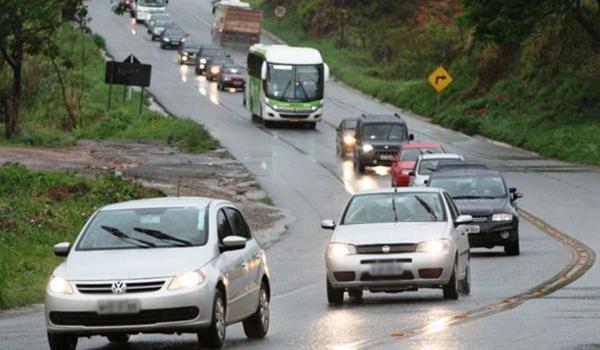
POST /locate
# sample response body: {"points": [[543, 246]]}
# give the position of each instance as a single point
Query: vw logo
{"points": [[385, 249], [119, 287]]}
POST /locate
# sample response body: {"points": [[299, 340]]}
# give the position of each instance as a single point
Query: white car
{"points": [[164, 265], [394, 240], [427, 163]]}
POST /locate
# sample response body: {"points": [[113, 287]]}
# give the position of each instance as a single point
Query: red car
{"points": [[404, 161]]}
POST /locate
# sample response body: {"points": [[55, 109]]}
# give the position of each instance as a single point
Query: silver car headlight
{"points": [[166, 40], [187, 280], [502, 217], [349, 140], [435, 246], [203, 60], [59, 285], [367, 148], [335, 250]]}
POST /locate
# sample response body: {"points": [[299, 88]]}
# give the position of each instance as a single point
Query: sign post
{"points": [[279, 12], [439, 79], [130, 72]]}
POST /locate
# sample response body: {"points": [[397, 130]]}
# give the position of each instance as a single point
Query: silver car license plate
{"points": [[386, 269], [116, 307], [474, 229], [386, 157]]}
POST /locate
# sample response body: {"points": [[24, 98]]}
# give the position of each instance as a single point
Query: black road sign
{"points": [[129, 72]]}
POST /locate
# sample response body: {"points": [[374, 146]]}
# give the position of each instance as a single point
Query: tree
{"points": [[511, 21], [27, 29]]}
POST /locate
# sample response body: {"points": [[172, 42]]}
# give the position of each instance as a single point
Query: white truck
{"points": [[142, 9]]}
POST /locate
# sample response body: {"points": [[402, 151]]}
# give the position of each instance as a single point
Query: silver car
{"points": [[427, 163], [164, 265], [395, 240]]}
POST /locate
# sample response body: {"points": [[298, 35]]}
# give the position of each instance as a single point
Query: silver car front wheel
{"points": [[257, 325], [214, 336]]}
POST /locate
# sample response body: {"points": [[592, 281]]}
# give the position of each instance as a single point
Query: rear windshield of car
{"points": [[146, 228], [412, 154], [428, 166], [395, 207], [234, 70], [213, 52], [471, 187], [384, 132]]}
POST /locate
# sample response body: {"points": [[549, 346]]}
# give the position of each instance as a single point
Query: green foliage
{"points": [[99, 41], [45, 115], [40, 209]]}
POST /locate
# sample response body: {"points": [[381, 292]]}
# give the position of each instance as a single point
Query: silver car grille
{"points": [[131, 287], [480, 219]]}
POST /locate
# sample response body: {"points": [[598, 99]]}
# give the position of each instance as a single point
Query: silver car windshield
{"points": [[471, 187], [146, 228], [428, 166], [395, 207]]}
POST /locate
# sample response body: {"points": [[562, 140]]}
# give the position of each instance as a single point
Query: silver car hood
{"points": [[132, 263], [390, 233]]}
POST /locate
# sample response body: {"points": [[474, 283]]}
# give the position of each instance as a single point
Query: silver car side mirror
{"points": [[463, 219], [233, 243], [62, 249], [328, 224]]}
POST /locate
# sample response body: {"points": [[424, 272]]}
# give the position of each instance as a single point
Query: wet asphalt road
{"points": [[299, 170]]}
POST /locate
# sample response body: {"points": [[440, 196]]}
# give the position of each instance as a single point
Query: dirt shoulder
{"points": [[158, 165]]}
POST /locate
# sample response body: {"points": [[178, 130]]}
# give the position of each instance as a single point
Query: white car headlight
{"points": [[367, 148], [502, 217], [433, 246], [59, 285], [187, 280], [183, 40], [340, 249], [203, 60], [166, 40], [215, 70], [349, 140]]}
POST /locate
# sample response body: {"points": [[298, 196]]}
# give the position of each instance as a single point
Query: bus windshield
{"points": [[295, 82], [151, 3]]}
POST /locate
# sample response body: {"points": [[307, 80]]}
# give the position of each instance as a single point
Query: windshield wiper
{"points": [[162, 236], [286, 88], [473, 197], [303, 89], [126, 238], [427, 207], [394, 208]]}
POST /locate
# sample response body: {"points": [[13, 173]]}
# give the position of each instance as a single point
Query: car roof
{"points": [[162, 202], [417, 145], [204, 47], [466, 172], [441, 156], [400, 190], [381, 118]]}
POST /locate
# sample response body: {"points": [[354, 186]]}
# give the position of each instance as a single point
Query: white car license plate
{"points": [[386, 157], [386, 269], [473, 229], [116, 307]]}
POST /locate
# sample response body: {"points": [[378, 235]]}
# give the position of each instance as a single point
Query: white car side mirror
{"points": [[463, 219], [62, 249], [263, 71], [328, 224], [326, 72], [233, 243]]}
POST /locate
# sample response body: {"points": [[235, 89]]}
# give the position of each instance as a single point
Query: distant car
{"points": [[483, 194], [344, 137], [125, 5], [155, 14], [214, 67], [158, 16], [158, 26], [404, 161], [232, 76], [173, 38], [206, 53], [378, 139], [188, 52], [394, 240], [426, 164], [163, 265]]}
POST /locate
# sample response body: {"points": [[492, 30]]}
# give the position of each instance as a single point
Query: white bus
{"points": [[285, 84], [142, 9]]}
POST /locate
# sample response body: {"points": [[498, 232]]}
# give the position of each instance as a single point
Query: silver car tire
{"points": [[465, 287], [335, 296], [451, 289], [257, 325], [214, 336], [59, 341]]}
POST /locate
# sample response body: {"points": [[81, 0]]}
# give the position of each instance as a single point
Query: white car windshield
{"points": [[428, 166], [395, 207], [145, 228], [471, 187]]}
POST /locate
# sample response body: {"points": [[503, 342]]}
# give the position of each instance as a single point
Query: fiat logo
{"points": [[385, 249], [119, 287]]}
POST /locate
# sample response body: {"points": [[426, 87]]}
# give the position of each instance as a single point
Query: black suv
{"points": [[205, 54], [482, 193], [378, 139]]}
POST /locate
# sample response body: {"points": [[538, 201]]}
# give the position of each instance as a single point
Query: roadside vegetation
{"points": [[62, 97], [40, 209], [525, 72]]}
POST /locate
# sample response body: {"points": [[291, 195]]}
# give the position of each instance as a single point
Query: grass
{"points": [[547, 104], [40, 209], [43, 117], [265, 200]]}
